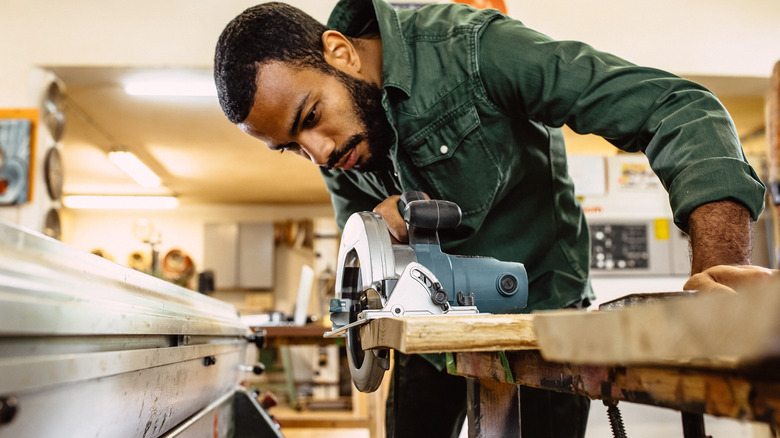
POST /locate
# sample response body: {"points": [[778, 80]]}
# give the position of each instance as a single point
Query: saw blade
{"points": [[367, 367]]}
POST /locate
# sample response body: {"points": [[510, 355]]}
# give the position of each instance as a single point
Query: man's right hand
{"points": [[388, 209]]}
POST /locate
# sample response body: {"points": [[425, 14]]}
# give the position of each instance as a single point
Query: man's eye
{"points": [[310, 118]]}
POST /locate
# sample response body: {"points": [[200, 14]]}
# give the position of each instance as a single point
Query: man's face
{"points": [[334, 120]]}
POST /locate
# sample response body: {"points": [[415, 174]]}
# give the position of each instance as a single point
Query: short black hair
{"points": [[261, 34]]}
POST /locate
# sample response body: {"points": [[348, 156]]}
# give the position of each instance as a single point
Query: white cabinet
{"points": [[240, 254]]}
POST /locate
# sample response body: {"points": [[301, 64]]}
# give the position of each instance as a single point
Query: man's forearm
{"points": [[720, 235]]}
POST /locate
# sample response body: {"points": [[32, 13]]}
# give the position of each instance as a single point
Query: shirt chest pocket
{"points": [[452, 157]]}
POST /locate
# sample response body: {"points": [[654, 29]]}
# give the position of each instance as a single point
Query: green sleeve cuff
{"points": [[715, 179]]}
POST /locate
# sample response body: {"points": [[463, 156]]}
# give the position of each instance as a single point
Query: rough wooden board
{"points": [[725, 393], [720, 331], [437, 334]]}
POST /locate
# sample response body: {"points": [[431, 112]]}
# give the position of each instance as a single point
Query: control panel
{"points": [[637, 246]]}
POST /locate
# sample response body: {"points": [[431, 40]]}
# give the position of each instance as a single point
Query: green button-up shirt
{"points": [[477, 101]]}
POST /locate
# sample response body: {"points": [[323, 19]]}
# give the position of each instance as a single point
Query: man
{"points": [[466, 105]]}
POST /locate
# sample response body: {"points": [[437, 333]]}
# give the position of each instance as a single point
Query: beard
{"points": [[377, 132]]}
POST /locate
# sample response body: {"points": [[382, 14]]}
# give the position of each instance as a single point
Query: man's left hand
{"points": [[728, 278]]}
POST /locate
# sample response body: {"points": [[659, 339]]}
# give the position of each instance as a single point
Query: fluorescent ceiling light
{"points": [[171, 86], [121, 202], [135, 168]]}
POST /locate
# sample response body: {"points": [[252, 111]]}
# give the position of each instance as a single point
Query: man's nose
{"points": [[318, 149]]}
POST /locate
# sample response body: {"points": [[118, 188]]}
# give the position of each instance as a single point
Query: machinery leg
{"points": [[693, 425], [493, 408], [615, 419], [289, 376]]}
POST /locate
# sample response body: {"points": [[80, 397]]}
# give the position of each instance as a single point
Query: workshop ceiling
{"points": [[200, 156]]}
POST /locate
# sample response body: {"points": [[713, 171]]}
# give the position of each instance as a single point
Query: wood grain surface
{"points": [[438, 334], [720, 331]]}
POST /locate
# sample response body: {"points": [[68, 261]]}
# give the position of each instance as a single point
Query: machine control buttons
{"points": [[619, 247]]}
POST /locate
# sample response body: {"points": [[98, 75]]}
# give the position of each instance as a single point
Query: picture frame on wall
{"points": [[17, 155]]}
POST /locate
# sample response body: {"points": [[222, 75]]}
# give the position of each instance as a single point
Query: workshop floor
{"points": [[640, 422], [651, 422], [299, 432]]}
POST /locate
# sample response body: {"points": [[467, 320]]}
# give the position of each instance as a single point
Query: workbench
{"points": [[714, 355]]}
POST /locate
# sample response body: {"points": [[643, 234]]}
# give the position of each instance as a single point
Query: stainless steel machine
{"points": [[89, 348]]}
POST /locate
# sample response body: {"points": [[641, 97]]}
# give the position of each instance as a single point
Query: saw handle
{"points": [[432, 214], [425, 216], [407, 197]]}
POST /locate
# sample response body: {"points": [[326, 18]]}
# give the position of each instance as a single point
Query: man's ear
{"points": [[340, 52]]}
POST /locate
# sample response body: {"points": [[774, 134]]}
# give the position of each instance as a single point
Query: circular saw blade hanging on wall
{"points": [[53, 173], [52, 226], [54, 111]]}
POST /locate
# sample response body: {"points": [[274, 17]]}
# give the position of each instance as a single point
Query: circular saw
{"points": [[377, 279]]}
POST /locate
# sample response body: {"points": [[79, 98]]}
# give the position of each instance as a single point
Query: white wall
{"points": [[695, 37]]}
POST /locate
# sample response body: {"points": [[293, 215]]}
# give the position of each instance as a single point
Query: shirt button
{"points": [[443, 149]]}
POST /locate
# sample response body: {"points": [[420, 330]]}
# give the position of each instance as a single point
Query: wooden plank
{"points": [[722, 331], [722, 393], [773, 133], [437, 334], [773, 153]]}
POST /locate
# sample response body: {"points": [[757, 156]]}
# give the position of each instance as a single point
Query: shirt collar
{"points": [[350, 17]]}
